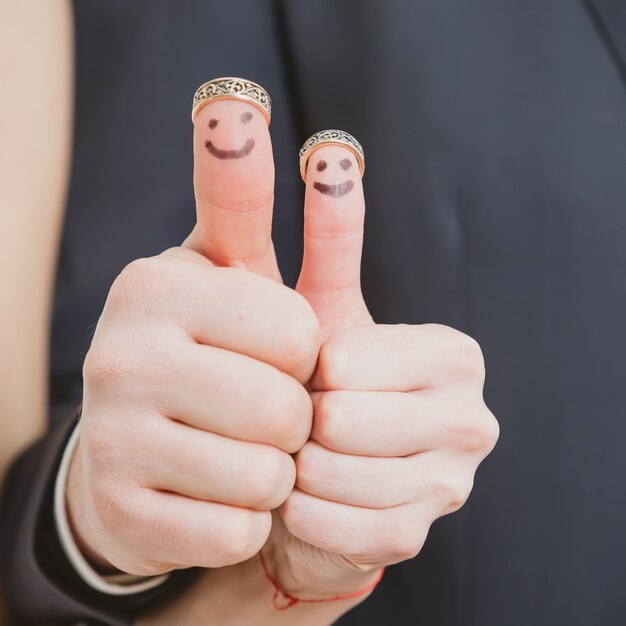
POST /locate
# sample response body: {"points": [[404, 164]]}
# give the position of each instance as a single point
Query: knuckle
{"points": [[242, 203], [469, 364], [274, 479], [329, 415], [492, 430], [293, 515], [478, 434], [106, 362], [334, 363], [419, 539], [92, 365], [307, 460], [301, 337], [454, 493], [286, 415], [462, 354], [174, 538], [139, 279], [407, 539], [243, 536]]}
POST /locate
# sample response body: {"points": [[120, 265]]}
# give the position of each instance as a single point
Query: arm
{"points": [[35, 56], [36, 52], [238, 595], [36, 73]]}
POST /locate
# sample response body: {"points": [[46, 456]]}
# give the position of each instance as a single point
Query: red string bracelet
{"points": [[281, 600]]}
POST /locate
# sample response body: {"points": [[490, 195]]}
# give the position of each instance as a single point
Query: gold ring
{"points": [[331, 138], [232, 88]]}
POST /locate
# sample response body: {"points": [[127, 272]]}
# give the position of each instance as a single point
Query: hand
{"points": [[399, 428], [193, 397], [399, 423]]}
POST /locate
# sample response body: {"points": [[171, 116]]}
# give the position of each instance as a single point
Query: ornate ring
{"points": [[330, 138], [231, 88]]}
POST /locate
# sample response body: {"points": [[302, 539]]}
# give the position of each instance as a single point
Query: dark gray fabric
{"points": [[39, 582], [611, 18], [495, 136]]}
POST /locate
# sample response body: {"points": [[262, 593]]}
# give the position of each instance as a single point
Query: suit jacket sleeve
{"points": [[40, 584]]}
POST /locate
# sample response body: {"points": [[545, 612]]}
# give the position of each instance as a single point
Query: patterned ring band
{"points": [[232, 88], [330, 138]]}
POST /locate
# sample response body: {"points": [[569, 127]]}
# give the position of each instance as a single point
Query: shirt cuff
{"points": [[113, 584]]}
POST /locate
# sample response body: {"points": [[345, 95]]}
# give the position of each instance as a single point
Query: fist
{"points": [[399, 429], [399, 421], [193, 386]]}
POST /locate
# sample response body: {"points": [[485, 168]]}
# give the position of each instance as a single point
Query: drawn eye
{"points": [[321, 165], [213, 123], [346, 164], [245, 117]]}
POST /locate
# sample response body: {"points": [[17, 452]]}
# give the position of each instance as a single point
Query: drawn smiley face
{"points": [[238, 153], [339, 189]]}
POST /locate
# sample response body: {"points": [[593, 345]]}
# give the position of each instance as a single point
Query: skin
{"points": [[36, 52], [191, 408], [201, 445], [399, 423], [237, 153], [35, 49], [225, 413], [334, 189]]}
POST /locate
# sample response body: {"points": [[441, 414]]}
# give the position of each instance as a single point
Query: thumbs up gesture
{"points": [[194, 396], [399, 422], [226, 414]]}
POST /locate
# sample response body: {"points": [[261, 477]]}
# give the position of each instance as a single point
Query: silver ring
{"points": [[232, 88], [331, 137]]}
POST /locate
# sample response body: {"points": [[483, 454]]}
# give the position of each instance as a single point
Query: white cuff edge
{"points": [[114, 584]]}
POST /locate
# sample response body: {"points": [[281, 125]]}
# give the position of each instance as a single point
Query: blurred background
{"points": [[495, 139]]}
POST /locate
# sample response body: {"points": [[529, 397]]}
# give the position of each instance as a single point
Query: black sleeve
{"points": [[40, 584]]}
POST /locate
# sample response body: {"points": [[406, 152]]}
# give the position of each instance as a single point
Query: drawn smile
{"points": [[230, 154], [336, 191]]}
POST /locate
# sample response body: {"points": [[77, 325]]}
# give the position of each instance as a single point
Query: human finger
{"points": [[366, 537], [378, 423], [370, 482], [171, 531], [390, 424], [225, 307], [399, 357], [438, 481], [233, 177], [206, 466], [210, 389], [334, 211]]}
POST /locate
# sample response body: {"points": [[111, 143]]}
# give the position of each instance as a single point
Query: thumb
{"points": [[334, 211], [233, 180]]}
